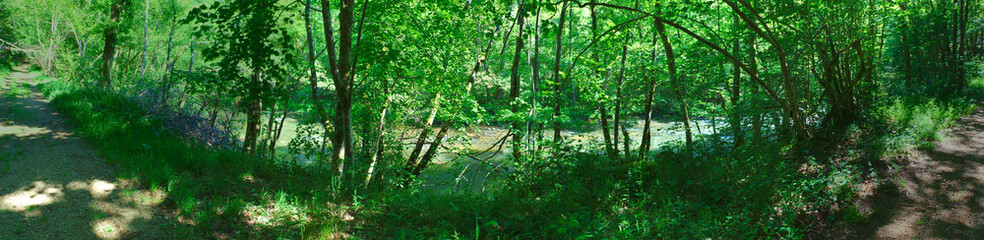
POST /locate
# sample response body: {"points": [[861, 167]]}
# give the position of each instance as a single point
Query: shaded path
{"points": [[939, 192], [52, 185]]}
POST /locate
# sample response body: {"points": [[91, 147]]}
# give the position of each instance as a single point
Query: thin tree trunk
{"points": [[280, 127], [626, 141], [269, 143], [214, 116], [252, 115], [313, 73], [618, 101], [753, 66], [472, 78], [422, 139], [109, 48], [143, 61], [530, 125], [791, 102], [556, 76], [377, 147], [431, 151], [514, 86], [678, 90], [738, 135], [602, 107], [644, 144], [167, 75]]}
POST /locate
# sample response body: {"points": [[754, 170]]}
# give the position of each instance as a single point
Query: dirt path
{"points": [[939, 192], [52, 185]]}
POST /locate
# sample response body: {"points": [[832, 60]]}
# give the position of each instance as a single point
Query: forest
{"points": [[491, 119]]}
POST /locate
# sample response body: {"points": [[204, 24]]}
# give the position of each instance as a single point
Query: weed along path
{"points": [[937, 192], [52, 185]]}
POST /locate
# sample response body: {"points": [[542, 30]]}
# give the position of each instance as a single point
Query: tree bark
{"points": [[109, 47], [252, 114], [533, 122], [791, 102], [644, 144], [618, 101], [377, 147], [341, 69], [602, 107], [514, 85], [424, 133], [313, 72], [431, 151], [736, 106], [556, 76], [143, 61], [678, 90]]}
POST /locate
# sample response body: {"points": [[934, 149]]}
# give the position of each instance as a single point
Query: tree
{"points": [[514, 84], [251, 48], [110, 33]]}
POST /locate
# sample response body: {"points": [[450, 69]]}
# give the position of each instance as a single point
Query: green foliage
{"points": [[886, 73], [918, 122], [213, 187]]}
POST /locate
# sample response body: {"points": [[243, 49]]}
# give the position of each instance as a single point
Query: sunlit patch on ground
{"points": [[274, 213], [22, 131], [37, 194], [97, 188], [73, 194]]}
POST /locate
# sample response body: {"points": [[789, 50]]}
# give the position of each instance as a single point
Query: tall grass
{"points": [[774, 188], [220, 191], [5, 69]]}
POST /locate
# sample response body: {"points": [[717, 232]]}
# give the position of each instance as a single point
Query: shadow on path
{"points": [[52, 185], [939, 193]]}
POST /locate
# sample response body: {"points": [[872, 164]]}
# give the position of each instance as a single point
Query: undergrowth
{"points": [[220, 192], [771, 188]]}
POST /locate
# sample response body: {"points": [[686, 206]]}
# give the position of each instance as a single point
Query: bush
{"points": [[211, 186]]}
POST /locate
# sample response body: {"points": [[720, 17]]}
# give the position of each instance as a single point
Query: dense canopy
{"points": [[494, 119]]}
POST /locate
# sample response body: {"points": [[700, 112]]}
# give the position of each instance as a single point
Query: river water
{"points": [[461, 166]]}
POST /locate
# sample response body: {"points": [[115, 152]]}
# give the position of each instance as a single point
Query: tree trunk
{"points": [[313, 73], [678, 90], [424, 133], [341, 72], [535, 65], [345, 19], [269, 142], [109, 47], [377, 147], [514, 86], [472, 77], [556, 76], [143, 61], [791, 103], [280, 128], [252, 114], [753, 66], [167, 64], [602, 107], [618, 101], [650, 91], [431, 151], [736, 127]]}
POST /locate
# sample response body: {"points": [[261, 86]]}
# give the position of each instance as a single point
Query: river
{"points": [[453, 169]]}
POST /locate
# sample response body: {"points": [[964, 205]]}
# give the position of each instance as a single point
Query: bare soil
{"points": [[935, 192], [53, 185]]}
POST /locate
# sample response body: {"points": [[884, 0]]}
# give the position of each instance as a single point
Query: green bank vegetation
{"points": [[806, 101]]}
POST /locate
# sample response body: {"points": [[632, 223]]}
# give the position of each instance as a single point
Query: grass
{"points": [[774, 189], [203, 185], [5, 69], [770, 189]]}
